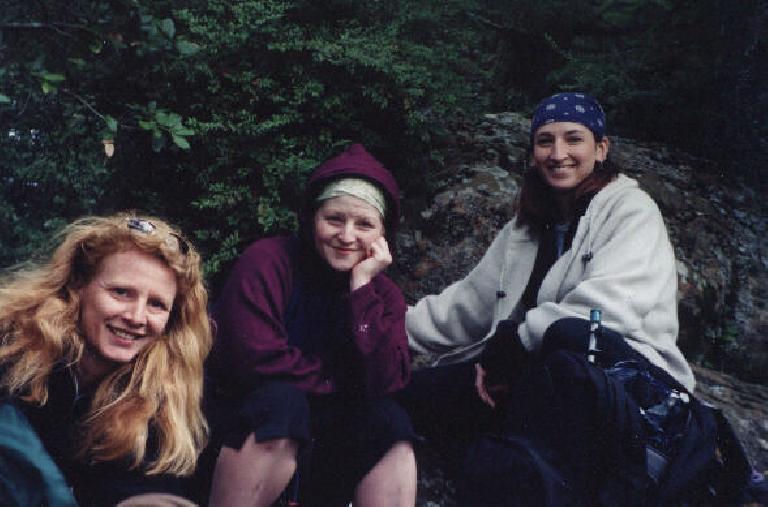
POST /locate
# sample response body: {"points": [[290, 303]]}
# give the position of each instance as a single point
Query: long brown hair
{"points": [[162, 387]]}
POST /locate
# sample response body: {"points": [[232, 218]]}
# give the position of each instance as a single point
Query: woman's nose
{"points": [[559, 150], [136, 313], [347, 233]]}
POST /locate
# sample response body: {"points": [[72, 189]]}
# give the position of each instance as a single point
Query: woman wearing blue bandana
{"points": [[584, 237]]}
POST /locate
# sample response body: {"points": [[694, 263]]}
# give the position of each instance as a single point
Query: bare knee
{"points": [[400, 454], [286, 446], [404, 449], [255, 474], [254, 451], [392, 481]]}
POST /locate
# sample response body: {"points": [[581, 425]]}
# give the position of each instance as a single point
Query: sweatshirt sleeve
{"points": [[462, 313], [378, 330], [253, 340]]}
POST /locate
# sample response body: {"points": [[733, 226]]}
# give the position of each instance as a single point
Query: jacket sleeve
{"points": [[253, 340], [463, 313], [378, 330], [629, 273]]}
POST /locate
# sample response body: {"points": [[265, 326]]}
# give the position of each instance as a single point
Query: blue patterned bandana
{"points": [[573, 107]]}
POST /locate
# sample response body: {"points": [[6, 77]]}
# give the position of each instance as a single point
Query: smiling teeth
{"points": [[125, 334]]}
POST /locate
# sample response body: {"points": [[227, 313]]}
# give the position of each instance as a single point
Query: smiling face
{"points": [[124, 308], [565, 153], [345, 227]]}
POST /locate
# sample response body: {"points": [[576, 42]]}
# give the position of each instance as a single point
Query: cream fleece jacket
{"points": [[620, 261]]}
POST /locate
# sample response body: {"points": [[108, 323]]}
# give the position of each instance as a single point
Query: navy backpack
{"points": [[627, 433]]}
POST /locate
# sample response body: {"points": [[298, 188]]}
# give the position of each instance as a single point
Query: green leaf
{"points": [[47, 87], [4, 99], [96, 47], [48, 76], [168, 119], [183, 132], [175, 120], [111, 123], [187, 48], [166, 25], [179, 141], [162, 118], [147, 125]]}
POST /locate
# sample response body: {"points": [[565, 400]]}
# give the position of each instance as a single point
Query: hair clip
{"points": [[141, 225]]}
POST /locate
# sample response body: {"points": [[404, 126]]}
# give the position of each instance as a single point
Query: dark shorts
{"points": [[341, 439], [447, 412]]}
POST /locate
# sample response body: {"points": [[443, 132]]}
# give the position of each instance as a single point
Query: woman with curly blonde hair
{"points": [[101, 354]]}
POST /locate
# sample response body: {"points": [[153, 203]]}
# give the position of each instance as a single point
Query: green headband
{"points": [[356, 187]]}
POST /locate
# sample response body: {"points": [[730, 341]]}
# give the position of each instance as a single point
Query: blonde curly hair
{"points": [[161, 388]]}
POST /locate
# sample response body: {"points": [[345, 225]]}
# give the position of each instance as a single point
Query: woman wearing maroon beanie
{"points": [[311, 342]]}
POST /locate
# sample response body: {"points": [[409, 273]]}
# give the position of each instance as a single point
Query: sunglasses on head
{"points": [[147, 227]]}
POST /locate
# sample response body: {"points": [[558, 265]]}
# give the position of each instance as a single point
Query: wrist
{"points": [[358, 280]]}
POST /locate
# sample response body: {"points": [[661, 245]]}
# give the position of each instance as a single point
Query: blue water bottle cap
{"points": [[594, 315]]}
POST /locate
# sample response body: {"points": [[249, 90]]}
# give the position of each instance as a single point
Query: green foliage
{"points": [[216, 110], [652, 57], [667, 71]]}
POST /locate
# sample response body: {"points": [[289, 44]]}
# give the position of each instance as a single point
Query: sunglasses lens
{"points": [[140, 225], [147, 227]]}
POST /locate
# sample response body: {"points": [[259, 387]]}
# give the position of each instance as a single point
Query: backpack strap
{"points": [[736, 470]]}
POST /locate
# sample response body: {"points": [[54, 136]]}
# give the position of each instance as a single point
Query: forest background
{"points": [[212, 112]]}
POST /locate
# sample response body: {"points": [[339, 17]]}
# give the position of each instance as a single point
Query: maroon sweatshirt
{"points": [[285, 315]]}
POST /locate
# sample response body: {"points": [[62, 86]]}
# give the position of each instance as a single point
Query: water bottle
{"points": [[594, 326]]}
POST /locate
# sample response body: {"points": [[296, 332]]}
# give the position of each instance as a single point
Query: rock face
{"points": [[718, 229], [746, 407]]}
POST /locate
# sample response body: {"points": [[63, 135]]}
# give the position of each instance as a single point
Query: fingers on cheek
{"points": [[383, 246]]}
